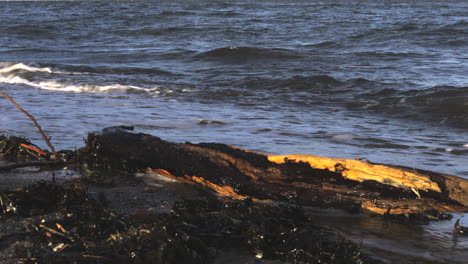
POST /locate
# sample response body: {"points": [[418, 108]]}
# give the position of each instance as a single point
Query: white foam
{"points": [[85, 88], [13, 79], [7, 75], [465, 146], [7, 67], [70, 87]]}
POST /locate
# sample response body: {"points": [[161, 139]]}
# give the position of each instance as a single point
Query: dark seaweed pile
{"points": [[10, 149], [273, 232], [62, 224]]}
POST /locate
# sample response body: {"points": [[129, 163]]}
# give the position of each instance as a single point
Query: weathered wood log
{"points": [[300, 179]]}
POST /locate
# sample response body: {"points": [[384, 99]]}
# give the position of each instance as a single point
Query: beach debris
{"points": [[65, 225], [6, 205], [77, 229], [224, 190], [249, 201], [46, 139], [19, 149], [459, 229], [360, 171], [33, 149], [300, 179], [18, 152], [258, 254]]}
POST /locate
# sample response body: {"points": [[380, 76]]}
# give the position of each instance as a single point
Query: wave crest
{"points": [[444, 105], [76, 88], [19, 73], [6, 67], [439, 104], [242, 54]]}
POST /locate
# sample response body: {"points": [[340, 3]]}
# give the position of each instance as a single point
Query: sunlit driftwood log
{"points": [[300, 179]]}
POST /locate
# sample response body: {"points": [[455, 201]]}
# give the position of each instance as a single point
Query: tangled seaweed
{"points": [[273, 232], [19, 149], [65, 225], [74, 227]]}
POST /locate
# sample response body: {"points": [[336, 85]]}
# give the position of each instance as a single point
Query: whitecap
{"points": [[76, 88], [13, 79], [8, 67]]}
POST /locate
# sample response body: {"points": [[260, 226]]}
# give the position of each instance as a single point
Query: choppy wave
{"points": [[458, 27], [323, 44], [210, 122], [18, 74], [120, 71], [240, 54], [295, 83], [445, 105], [442, 104], [31, 31], [18, 68], [8, 67], [76, 88], [411, 26]]}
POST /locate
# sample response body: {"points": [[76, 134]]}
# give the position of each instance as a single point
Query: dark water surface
{"points": [[382, 80]]}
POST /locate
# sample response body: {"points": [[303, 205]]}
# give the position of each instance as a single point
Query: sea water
{"points": [[381, 80]]}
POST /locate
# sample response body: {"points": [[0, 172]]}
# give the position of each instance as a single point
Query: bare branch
{"points": [[46, 139]]}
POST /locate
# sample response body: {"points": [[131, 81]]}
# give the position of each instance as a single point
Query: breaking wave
{"points": [[77, 88], [7, 67], [442, 105], [20, 73]]}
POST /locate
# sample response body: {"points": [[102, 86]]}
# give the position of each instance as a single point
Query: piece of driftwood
{"points": [[300, 179], [11, 166]]}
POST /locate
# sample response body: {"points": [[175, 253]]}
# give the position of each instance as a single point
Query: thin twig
{"points": [[33, 149], [46, 139], [58, 233]]}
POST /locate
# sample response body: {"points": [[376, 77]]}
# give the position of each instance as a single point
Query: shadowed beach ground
{"points": [[97, 214]]}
